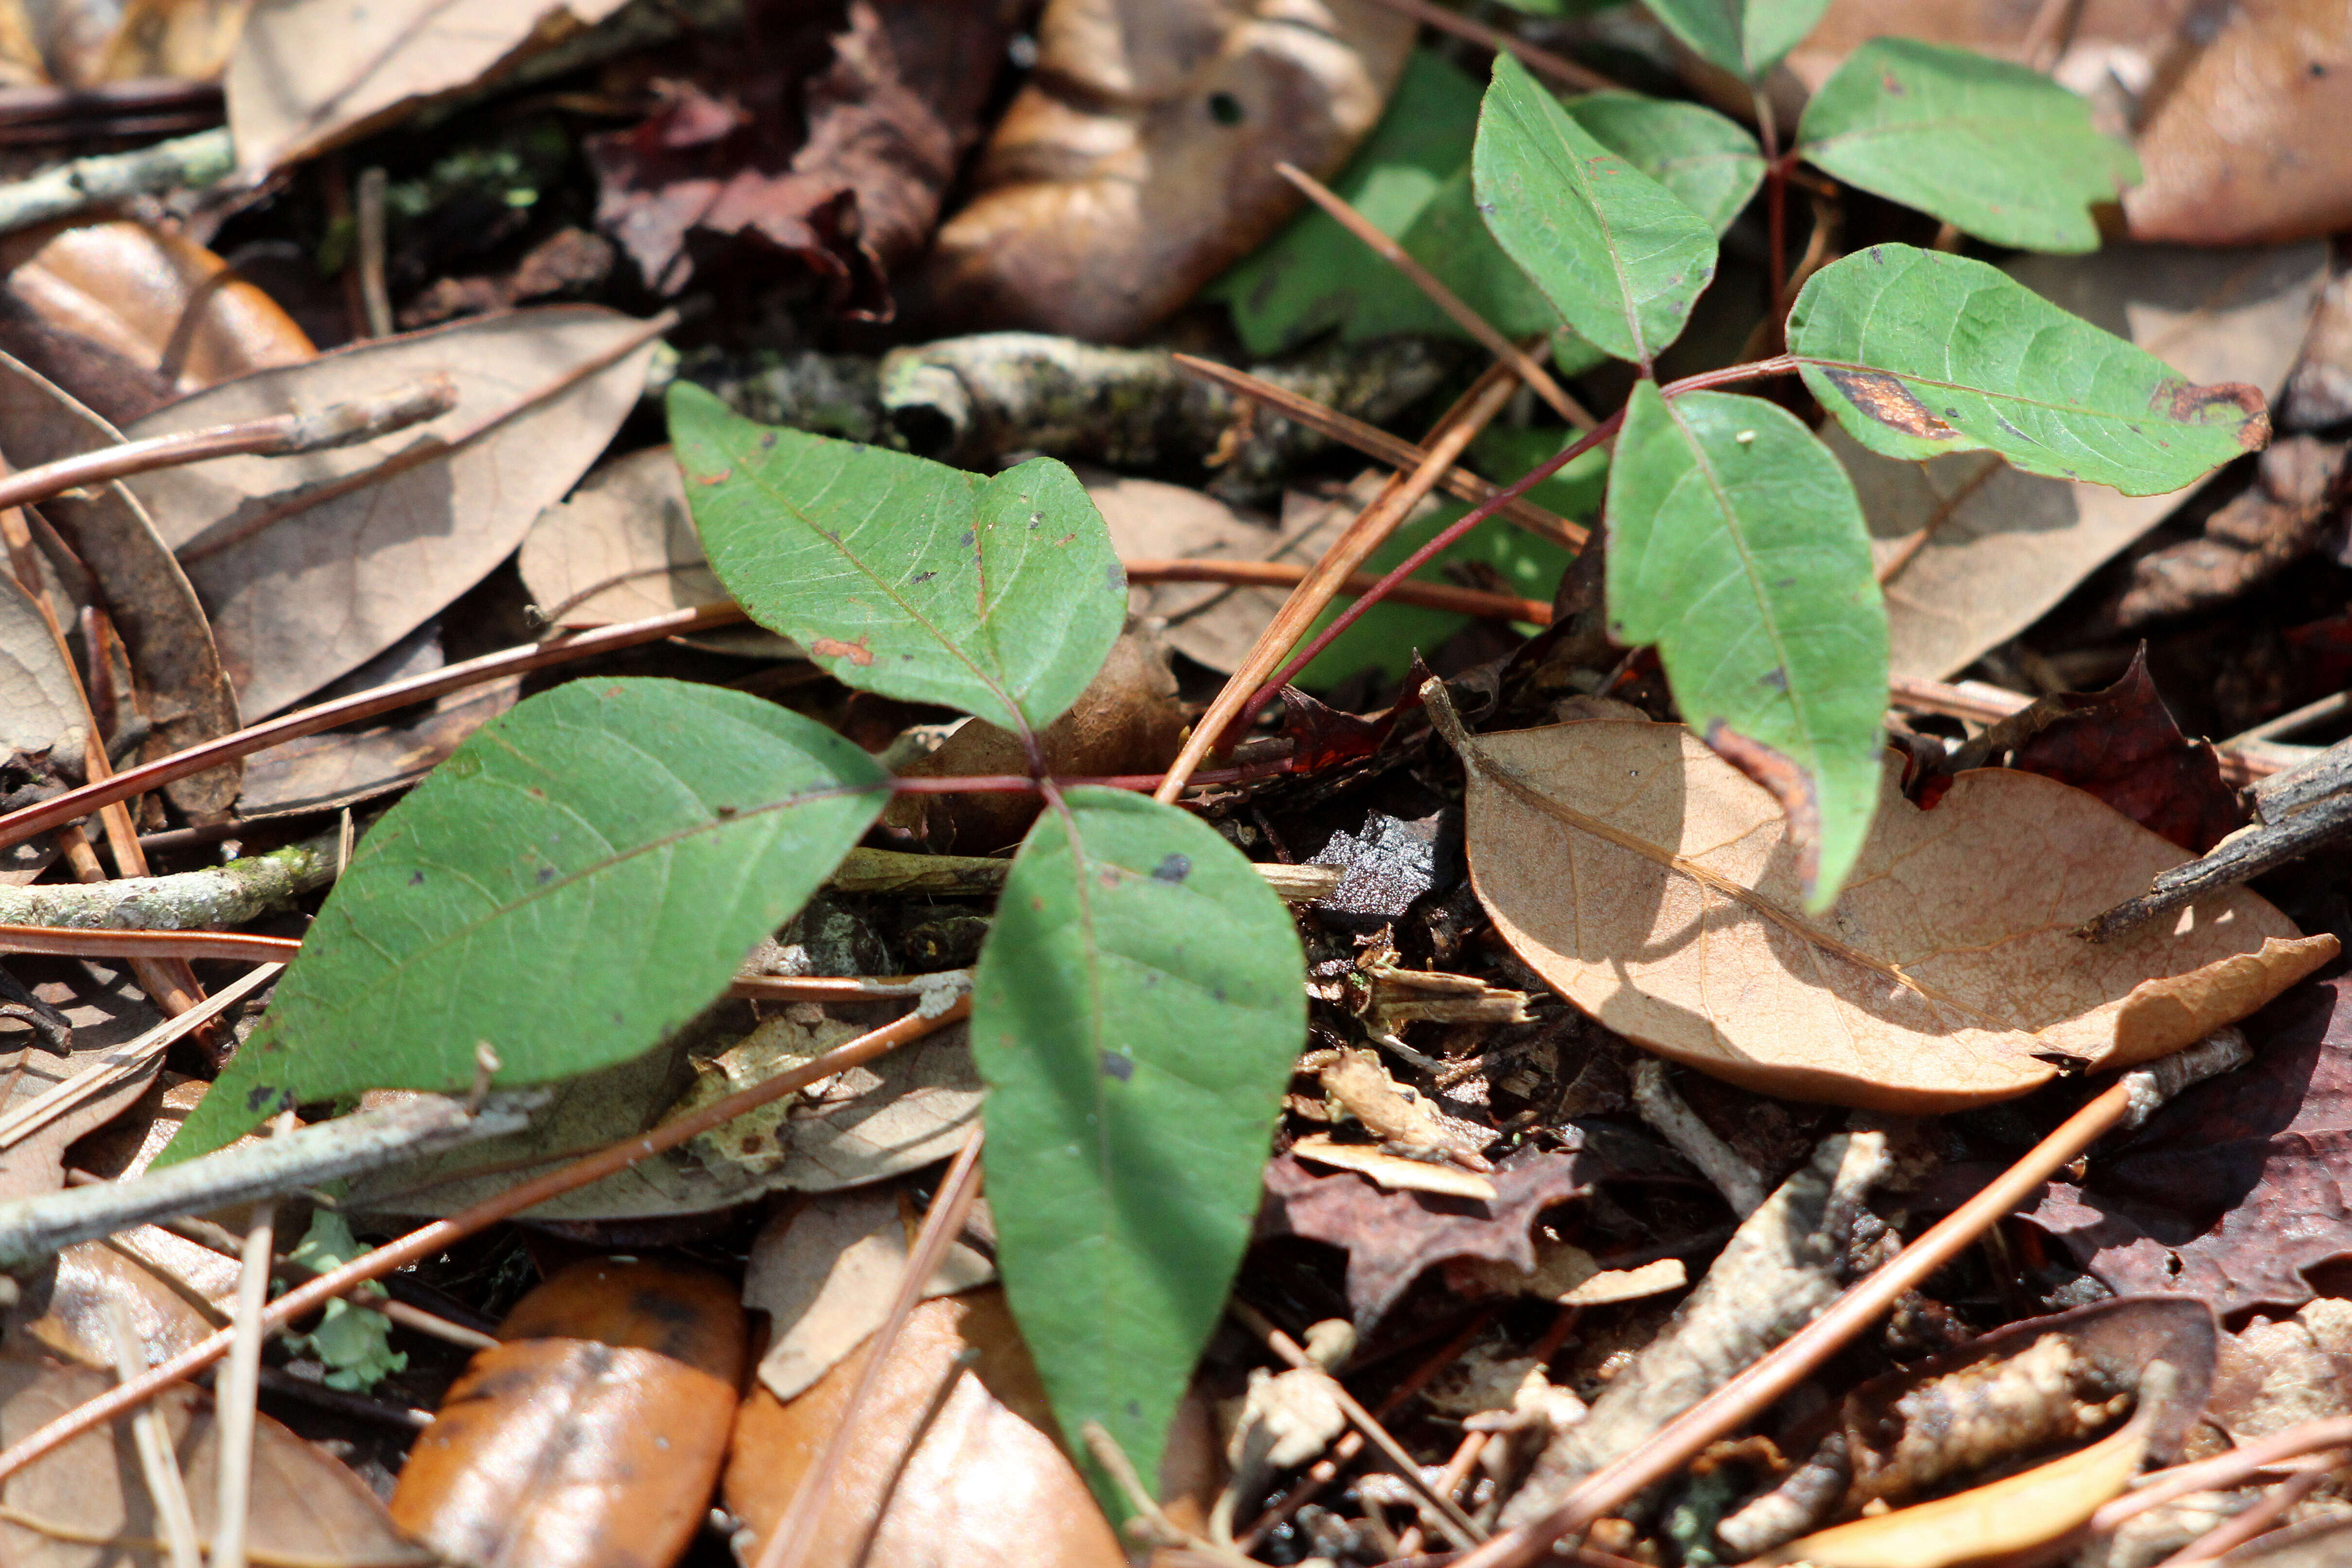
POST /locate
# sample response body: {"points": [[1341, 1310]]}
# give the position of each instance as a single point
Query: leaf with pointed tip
{"points": [[582, 877], [1136, 1013], [1746, 38], [1000, 596], [1736, 545], [1919, 353], [1619, 255], [1711, 162], [1992, 148]]}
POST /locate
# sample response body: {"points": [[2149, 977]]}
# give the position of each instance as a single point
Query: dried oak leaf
{"points": [[1139, 161], [1390, 1236], [888, 122], [1655, 886], [2238, 1186], [2122, 745]]}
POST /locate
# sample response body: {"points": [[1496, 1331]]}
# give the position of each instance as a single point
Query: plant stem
{"points": [[1731, 374], [426, 1241], [1422, 556], [1287, 575]]}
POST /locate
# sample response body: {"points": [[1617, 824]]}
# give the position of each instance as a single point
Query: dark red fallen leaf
{"points": [[841, 170], [2241, 1183], [1390, 1237], [1322, 736], [2122, 745]]}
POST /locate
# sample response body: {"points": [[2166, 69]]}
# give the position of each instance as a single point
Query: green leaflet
{"points": [[1738, 546], [1746, 38], [1313, 274], [1991, 147], [1619, 254], [998, 595], [1919, 353], [1711, 162], [1136, 1013], [582, 877]]}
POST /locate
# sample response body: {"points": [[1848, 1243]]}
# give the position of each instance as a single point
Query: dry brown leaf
{"points": [[1651, 884], [620, 548], [343, 767], [2023, 1511], [181, 685], [982, 1482], [307, 1508], [68, 1309], [826, 1272], [593, 1434], [102, 1016], [347, 563], [311, 74], [156, 298], [2002, 547], [189, 40], [40, 705], [1139, 161], [1394, 1173]]}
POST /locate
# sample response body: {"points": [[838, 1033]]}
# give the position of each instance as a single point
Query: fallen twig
{"points": [[428, 1239], [190, 163], [1287, 575], [225, 895]]}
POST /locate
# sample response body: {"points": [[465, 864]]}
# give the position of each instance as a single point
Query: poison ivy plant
{"points": [[1738, 547], [1136, 1013], [1918, 353], [581, 876], [1992, 148], [1746, 38], [998, 595], [1619, 257]]}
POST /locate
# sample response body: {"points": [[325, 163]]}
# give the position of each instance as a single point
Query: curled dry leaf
{"points": [[1138, 161], [62, 1510], [312, 74], [619, 548], [175, 662], [1655, 886], [1972, 552], [158, 299], [593, 1434], [825, 1270], [312, 564], [983, 1473]]}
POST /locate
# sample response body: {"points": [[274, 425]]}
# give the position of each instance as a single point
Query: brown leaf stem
{"points": [[1780, 1371], [1287, 575], [1455, 308], [426, 1241]]}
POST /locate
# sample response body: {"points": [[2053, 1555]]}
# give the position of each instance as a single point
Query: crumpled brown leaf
{"points": [[2120, 744], [1652, 885], [2232, 1190], [1139, 161], [307, 1507], [1390, 1236], [888, 122], [313, 73]]}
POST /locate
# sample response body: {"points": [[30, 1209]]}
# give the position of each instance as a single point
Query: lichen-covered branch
{"points": [[85, 183], [972, 400], [217, 897]]}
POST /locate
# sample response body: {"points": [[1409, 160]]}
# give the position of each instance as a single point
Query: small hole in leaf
{"points": [[1224, 109]]}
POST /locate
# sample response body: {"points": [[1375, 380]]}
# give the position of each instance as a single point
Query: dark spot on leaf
{"points": [[1134, 1410], [1216, 994], [536, 793], [2012, 429], [1174, 868], [2316, 68], [856, 653], [768, 442], [922, 576], [1115, 1066], [1776, 678], [1892, 86], [720, 478], [546, 874], [1064, 540], [1224, 109], [1037, 904], [265, 1097], [965, 539], [725, 811], [2194, 405], [416, 879], [1887, 400], [1115, 578]]}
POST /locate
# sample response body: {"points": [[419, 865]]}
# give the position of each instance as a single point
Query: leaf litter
{"points": [[600, 855]]}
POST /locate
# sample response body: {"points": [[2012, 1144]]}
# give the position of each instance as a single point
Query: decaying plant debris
{"points": [[796, 785]]}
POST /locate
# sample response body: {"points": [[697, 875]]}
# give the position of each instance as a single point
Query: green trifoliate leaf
{"points": [[1746, 38], [1000, 596], [1736, 545], [1619, 254], [1136, 1013], [1711, 162], [1919, 353], [1994, 149], [582, 877]]}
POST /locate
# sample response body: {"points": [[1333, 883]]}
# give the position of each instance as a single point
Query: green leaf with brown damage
{"points": [[1918, 353], [998, 595]]}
